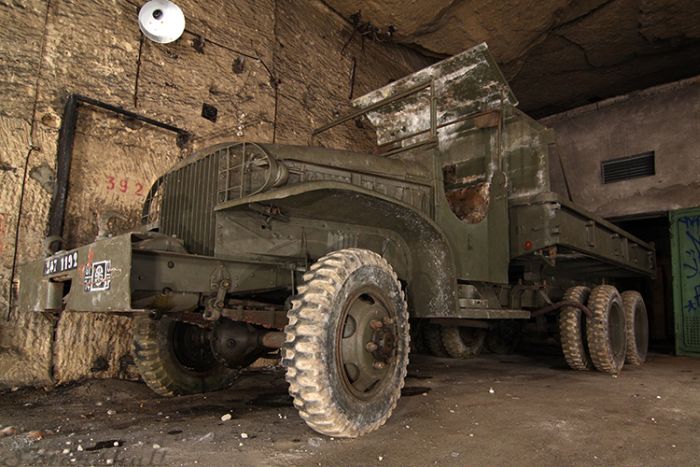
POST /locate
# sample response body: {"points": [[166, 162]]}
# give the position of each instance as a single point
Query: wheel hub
{"points": [[383, 341], [366, 344]]}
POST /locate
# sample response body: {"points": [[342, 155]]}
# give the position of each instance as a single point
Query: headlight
{"points": [[247, 169], [151, 207]]}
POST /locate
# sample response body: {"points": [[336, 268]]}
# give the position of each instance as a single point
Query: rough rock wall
{"points": [[320, 70], [557, 54], [273, 69]]}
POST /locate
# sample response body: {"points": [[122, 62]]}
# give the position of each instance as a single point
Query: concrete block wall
{"points": [[663, 119], [274, 69]]}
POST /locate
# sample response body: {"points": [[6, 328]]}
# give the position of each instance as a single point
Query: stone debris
{"points": [[491, 391], [8, 431], [244, 435], [156, 446], [111, 412], [36, 435], [206, 438], [315, 442], [226, 417]]}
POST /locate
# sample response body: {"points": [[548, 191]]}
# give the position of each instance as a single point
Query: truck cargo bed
{"points": [[585, 243]]}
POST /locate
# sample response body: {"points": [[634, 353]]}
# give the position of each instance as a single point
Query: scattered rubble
{"points": [[8, 431], [36, 435]]}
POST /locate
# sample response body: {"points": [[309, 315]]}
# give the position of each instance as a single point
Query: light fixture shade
{"points": [[161, 21]]}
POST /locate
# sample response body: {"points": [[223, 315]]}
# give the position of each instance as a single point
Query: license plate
{"points": [[61, 263]]}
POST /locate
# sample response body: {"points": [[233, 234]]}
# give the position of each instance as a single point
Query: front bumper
{"points": [[98, 278], [141, 272]]}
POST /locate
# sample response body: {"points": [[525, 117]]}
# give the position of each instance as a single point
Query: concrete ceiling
{"points": [[557, 54]]}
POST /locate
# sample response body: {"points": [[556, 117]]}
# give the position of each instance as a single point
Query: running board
{"points": [[490, 313]]}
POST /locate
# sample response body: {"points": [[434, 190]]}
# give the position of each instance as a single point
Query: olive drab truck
{"points": [[324, 256]]}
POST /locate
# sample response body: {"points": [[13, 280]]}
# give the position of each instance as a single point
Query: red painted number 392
{"points": [[122, 185]]}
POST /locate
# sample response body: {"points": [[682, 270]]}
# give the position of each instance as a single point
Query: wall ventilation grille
{"points": [[641, 165]]}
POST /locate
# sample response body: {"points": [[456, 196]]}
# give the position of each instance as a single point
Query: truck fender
{"points": [[430, 275]]}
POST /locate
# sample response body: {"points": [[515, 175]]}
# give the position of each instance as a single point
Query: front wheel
{"points": [[175, 358], [347, 344]]}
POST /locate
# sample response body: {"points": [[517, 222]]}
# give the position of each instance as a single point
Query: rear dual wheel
{"points": [[616, 332], [637, 327], [572, 330], [606, 330]]}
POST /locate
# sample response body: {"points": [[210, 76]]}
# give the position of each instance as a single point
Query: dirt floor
{"points": [[493, 410]]}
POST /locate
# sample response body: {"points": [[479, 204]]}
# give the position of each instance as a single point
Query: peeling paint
{"points": [[464, 84]]}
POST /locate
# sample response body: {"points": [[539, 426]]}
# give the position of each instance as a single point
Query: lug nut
{"points": [[371, 346], [378, 365], [376, 324]]}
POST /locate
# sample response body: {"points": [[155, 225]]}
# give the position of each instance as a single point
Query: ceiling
{"points": [[557, 54]]}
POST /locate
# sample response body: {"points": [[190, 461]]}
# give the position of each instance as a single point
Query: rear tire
{"points": [[637, 327], [433, 340], [463, 342], [572, 330], [175, 358], [606, 330], [347, 344]]}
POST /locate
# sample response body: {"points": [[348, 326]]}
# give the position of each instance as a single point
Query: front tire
{"points": [[175, 358], [347, 344]]}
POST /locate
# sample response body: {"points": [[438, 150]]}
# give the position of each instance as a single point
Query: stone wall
{"points": [[664, 119], [273, 69]]}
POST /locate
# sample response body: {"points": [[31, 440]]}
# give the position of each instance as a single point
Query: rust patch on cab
{"points": [[470, 204]]}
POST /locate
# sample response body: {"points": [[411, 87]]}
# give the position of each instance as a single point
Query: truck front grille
{"points": [[190, 193], [188, 200]]}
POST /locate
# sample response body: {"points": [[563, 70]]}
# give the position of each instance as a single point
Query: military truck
{"points": [[326, 255]]}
